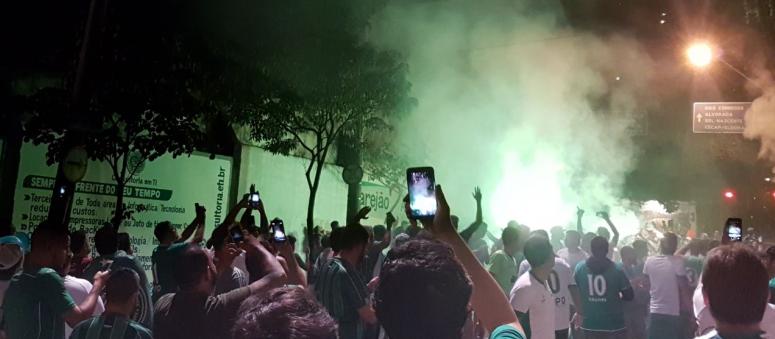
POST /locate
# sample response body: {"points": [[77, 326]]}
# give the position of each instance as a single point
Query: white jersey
{"points": [[531, 295], [572, 258], [663, 272], [559, 280], [79, 289]]}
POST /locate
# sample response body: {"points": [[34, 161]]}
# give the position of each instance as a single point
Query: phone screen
{"points": [[278, 231], [733, 230], [236, 235], [254, 199], [422, 192]]}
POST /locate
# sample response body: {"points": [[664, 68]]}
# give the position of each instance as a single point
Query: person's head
{"points": [[641, 248], [122, 290], [354, 240], [124, 244], [379, 232], [436, 305], [539, 233], [11, 256], [668, 244], [336, 239], [334, 225], [603, 232], [735, 285], [539, 253], [106, 240], [292, 241], [79, 244], [283, 313], [599, 247], [510, 239], [51, 246], [194, 270], [629, 258], [165, 232], [696, 247], [572, 239]]}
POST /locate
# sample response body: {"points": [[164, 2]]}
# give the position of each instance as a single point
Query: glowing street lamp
{"points": [[699, 54], [729, 194]]}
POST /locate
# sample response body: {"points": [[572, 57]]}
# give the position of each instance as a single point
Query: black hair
{"points": [[538, 251], [736, 285], [122, 285], [284, 313], [162, 229], [669, 244], [191, 265], [106, 240], [540, 233], [437, 304], [292, 240], [77, 241], [336, 239], [510, 235], [599, 246], [47, 234], [379, 232], [599, 262], [124, 242], [353, 236]]}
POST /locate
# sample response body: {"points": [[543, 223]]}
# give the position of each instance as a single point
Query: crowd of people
{"points": [[422, 279]]}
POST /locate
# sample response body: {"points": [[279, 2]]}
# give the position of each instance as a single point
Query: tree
{"points": [[385, 164], [157, 83], [357, 93]]}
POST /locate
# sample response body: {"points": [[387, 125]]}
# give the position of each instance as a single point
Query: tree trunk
{"points": [[10, 170], [118, 215], [313, 191]]}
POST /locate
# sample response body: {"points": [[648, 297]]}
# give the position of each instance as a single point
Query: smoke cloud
{"points": [[760, 118], [511, 99]]}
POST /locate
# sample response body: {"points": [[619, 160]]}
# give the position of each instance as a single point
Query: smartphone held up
{"points": [[421, 182], [277, 228], [733, 231]]}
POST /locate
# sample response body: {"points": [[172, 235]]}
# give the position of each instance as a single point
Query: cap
{"points": [[10, 252]]}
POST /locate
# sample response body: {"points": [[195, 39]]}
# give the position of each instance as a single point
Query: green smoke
{"points": [[542, 117]]}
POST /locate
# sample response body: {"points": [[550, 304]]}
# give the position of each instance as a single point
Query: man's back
{"points": [[163, 259], [189, 315], [35, 304], [342, 291], [600, 297], [663, 272], [503, 268], [110, 327], [573, 258]]}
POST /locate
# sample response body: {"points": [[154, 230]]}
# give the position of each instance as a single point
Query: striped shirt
{"points": [[342, 290], [110, 326]]}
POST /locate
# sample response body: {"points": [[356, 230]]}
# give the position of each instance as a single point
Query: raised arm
{"points": [[615, 239], [478, 197], [265, 271], [488, 300], [86, 309], [196, 223], [579, 215], [296, 275]]}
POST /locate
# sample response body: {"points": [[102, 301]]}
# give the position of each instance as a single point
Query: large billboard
{"points": [[167, 187]]}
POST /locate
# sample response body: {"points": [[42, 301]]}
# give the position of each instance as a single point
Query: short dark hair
{"points": [[736, 285], [284, 313], [352, 236], [190, 266], [162, 229], [336, 239], [540, 233], [77, 241], [122, 285], [669, 244], [124, 242], [510, 235], [106, 240], [538, 250], [379, 232], [599, 247], [436, 304], [292, 240], [48, 234], [572, 233]]}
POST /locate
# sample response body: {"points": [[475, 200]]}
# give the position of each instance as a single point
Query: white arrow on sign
{"points": [[699, 117]]}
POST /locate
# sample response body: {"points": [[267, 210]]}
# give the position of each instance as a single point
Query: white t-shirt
{"points": [[530, 295], [558, 283], [663, 272], [572, 258], [79, 289]]}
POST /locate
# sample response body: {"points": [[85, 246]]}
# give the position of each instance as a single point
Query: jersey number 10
{"points": [[597, 285]]}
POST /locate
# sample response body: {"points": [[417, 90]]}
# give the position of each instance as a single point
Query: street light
{"points": [[699, 54]]}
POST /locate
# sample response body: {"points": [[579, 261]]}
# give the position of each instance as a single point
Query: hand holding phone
{"points": [[278, 230], [236, 235], [733, 231], [421, 182]]}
